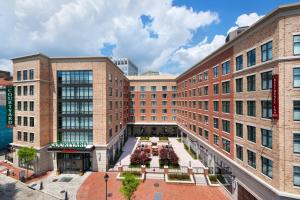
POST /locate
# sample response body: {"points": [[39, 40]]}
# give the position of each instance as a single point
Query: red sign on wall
{"points": [[69, 151], [275, 97]]}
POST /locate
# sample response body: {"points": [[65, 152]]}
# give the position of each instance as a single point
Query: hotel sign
{"points": [[10, 106], [275, 97]]}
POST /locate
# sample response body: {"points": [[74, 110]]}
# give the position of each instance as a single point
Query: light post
{"points": [[106, 179]]}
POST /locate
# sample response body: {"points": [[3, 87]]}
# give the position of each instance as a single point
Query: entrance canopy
{"points": [[71, 147]]}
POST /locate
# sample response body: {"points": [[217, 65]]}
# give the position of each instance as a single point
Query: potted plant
{"points": [[58, 172], [80, 172]]}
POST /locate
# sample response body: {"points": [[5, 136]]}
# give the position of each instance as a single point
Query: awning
{"points": [[71, 147]]}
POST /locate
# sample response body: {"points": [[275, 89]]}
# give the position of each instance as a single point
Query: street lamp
{"points": [[106, 179]]}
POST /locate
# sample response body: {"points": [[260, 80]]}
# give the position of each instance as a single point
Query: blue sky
{"points": [[162, 35]]}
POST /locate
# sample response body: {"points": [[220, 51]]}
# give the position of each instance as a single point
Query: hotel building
{"points": [[238, 109]]}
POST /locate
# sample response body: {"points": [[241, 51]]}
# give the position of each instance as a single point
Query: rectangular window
{"points": [[143, 103], [174, 88], [296, 44], [153, 96], [251, 108], [205, 75], [153, 103], [132, 88], [239, 85], [226, 145], [25, 90], [216, 89], [19, 75], [19, 105], [216, 123], [239, 130], [143, 88], [25, 105], [143, 96], [239, 107], [31, 90], [206, 134], [200, 131], [19, 90], [31, 137], [251, 83], [239, 63], [31, 122], [216, 139], [251, 133], [19, 135], [266, 52], [266, 109], [251, 158], [31, 74], [296, 142], [205, 90], [226, 87], [164, 88], [239, 152], [25, 75], [226, 68], [226, 106], [266, 80], [216, 106], [153, 88], [25, 121], [297, 176], [205, 105], [296, 75], [296, 110], [267, 167], [251, 57], [226, 126], [216, 71], [25, 136], [19, 120], [266, 138]]}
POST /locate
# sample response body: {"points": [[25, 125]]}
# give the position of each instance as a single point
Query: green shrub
{"points": [[129, 185], [145, 138], [190, 151], [179, 177], [136, 174], [213, 179], [178, 139], [163, 138]]}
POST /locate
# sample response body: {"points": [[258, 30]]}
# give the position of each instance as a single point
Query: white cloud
{"points": [[82, 27], [6, 65], [245, 20]]}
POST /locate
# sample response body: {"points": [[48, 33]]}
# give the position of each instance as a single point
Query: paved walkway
{"points": [[184, 156], [94, 188], [129, 147], [12, 189]]}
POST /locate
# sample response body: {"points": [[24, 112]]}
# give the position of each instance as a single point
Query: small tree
{"points": [[130, 183], [27, 155]]}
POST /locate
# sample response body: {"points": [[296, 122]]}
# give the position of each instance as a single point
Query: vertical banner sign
{"points": [[10, 106], [275, 97]]}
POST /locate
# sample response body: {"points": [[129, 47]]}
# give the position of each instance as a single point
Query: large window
{"points": [[251, 108], [296, 77], [251, 57], [239, 107], [226, 87], [31, 74], [296, 110], [216, 139], [267, 167], [239, 62], [297, 176], [251, 133], [226, 106], [216, 123], [266, 80], [251, 158], [296, 142], [216, 106], [226, 68], [239, 130], [251, 83], [226, 126], [19, 75], [296, 44], [226, 145], [239, 152], [266, 52], [266, 109], [216, 89], [25, 77], [239, 85], [216, 71], [266, 138]]}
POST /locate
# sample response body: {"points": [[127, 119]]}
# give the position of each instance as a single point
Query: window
{"points": [[153, 88], [251, 130], [164, 96], [205, 74], [19, 75], [266, 138], [19, 91], [31, 74], [25, 105], [251, 82], [153, 96], [164, 103], [266, 109], [200, 131], [297, 176], [239, 63], [164, 88], [31, 137], [251, 57], [143, 96], [25, 121], [216, 106], [216, 123], [216, 139], [31, 122], [251, 108], [110, 92], [25, 75], [226, 126], [206, 120], [153, 111], [296, 44], [239, 152], [266, 52], [226, 68], [205, 105], [226, 87], [296, 141], [164, 111], [200, 104], [216, 71], [267, 167], [296, 77], [31, 90], [174, 88], [25, 136], [19, 135], [239, 130], [205, 90], [132, 88], [239, 85], [19, 105], [143, 111], [153, 103], [25, 90], [206, 134], [296, 110], [200, 78], [226, 145], [110, 78], [266, 80], [216, 89], [226, 106], [143, 103], [19, 120], [239, 107], [251, 158]]}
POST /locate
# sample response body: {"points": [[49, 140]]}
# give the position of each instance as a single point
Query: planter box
{"points": [[211, 184], [167, 180], [119, 177]]}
